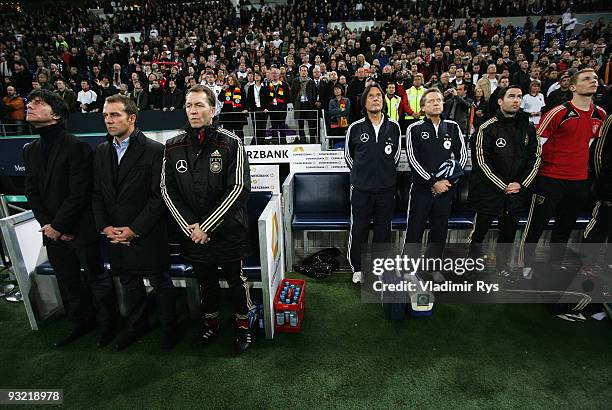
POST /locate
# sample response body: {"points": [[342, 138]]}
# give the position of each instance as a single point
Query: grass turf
{"points": [[347, 356]]}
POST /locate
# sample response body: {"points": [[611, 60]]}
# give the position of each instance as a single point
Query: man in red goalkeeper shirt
{"points": [[561, 187]]}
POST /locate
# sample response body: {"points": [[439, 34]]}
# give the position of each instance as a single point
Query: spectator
{"points": [[67, 95], [458, 107], [304, 96], [15, 111], [22, 79], [393, 103], [480, 109], [445, 86], [493, 100], [279, 94], [521, 77], [233, 114], [104, 91], [211, 82], [87, 98], [489, 82], [569, 23], [123, 90], [139, 96], [5, 68], [533, 102], [412, 102], [156, 95], [339, 109], [353, 93], [560, 95], [174, 99], [257, 103], [43, 80]]}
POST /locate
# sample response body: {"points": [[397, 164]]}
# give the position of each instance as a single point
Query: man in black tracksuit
{"points": [[205, 183], [430, 143], [505, 158], [599, 229], [372, 152]]}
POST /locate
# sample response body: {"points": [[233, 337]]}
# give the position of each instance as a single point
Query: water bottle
{"points": [[280, 318], [293, 319]]}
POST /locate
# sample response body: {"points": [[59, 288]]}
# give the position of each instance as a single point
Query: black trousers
{"points": [[86, 295], [309, 117], [208, 276], [558, 198], [260, 122], [507, 225], [598, 232], [366, 207], [136, 300], [424, 207], [278, 126]]}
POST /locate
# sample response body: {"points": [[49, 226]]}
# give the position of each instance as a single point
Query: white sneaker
{"points": [[357, 277], [527, 272], [576, 316]]}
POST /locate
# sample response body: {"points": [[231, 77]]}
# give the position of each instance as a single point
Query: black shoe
{"points": [[208, 333], [126, 339], [244, 339], [169, 338], [106, 335], [77, 332]]}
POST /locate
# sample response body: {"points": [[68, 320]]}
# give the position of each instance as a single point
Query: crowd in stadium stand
{"points": [[79, 54]]}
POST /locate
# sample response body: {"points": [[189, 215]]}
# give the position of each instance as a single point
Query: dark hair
{"points": [[210, 95], [364, 97], [57, 103], [129, 106], [504, 91]]}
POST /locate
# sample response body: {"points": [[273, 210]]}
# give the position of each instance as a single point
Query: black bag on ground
{"points": [[321, 264]]}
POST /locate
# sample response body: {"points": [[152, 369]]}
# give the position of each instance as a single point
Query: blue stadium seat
{"points": [[328, 193], [321, 201]]}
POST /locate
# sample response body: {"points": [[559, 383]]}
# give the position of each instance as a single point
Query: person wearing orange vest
{"points": [[412, 102]]}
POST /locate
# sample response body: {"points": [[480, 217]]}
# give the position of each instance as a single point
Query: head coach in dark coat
{"points": [[129, 209], [58, 186]]}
